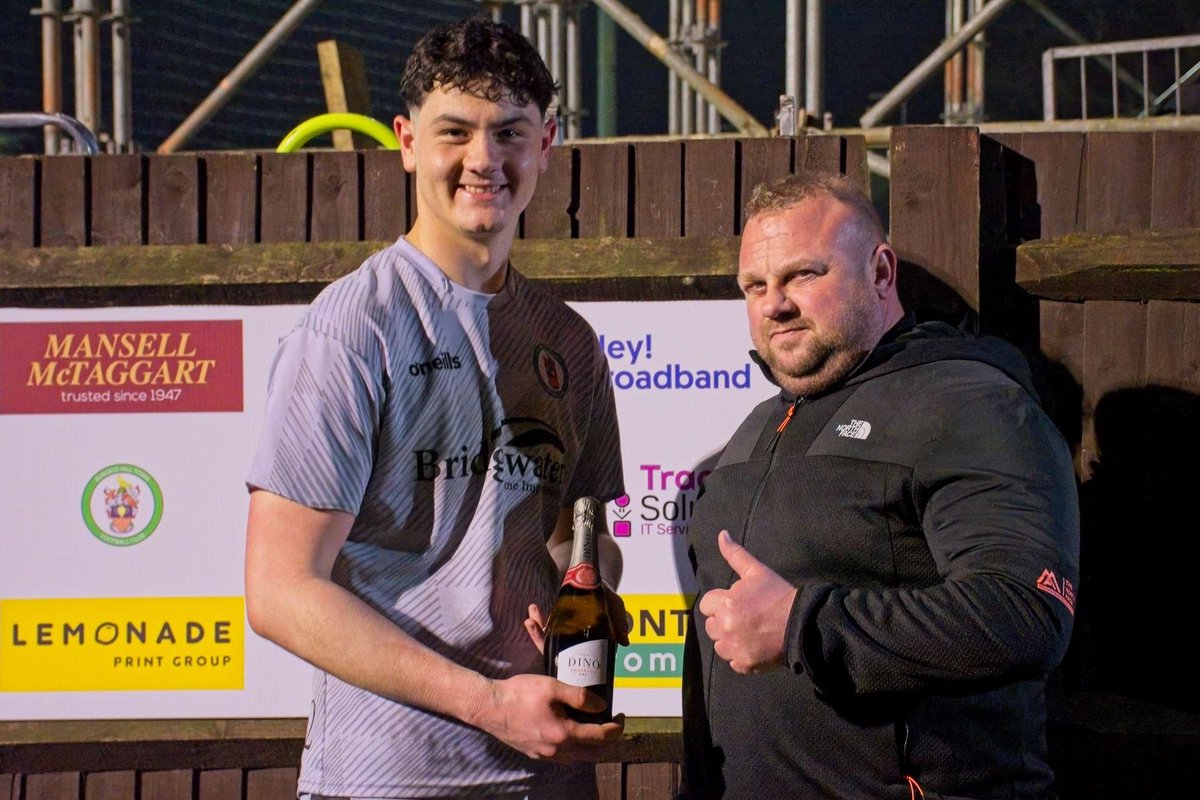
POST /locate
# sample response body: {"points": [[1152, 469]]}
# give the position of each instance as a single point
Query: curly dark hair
{"points": [[475, 55]]}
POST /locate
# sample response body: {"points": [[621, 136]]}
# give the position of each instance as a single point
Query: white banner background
{"points": [[200, 459]]}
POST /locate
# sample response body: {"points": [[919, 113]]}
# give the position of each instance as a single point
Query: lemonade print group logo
{"points": [[120, 644], [122, 505]]}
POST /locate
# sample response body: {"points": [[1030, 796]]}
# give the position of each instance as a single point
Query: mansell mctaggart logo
{"points": [[121, 644], [120, 367], [122, 505]]}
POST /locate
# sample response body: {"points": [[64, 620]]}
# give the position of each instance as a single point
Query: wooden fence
{"points": [[1082, 248]]}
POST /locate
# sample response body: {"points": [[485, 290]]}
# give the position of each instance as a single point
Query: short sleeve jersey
{"points": [[455, 426]]}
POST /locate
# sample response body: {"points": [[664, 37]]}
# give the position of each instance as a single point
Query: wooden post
{"points": [[346, 92]]}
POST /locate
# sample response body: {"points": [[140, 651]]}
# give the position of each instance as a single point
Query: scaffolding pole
{"points": [[122, 77], [606, 76], [932, 63], [814, 59], [793, 73], [86, 34], [51, 14], [645, 36], [243, 71]]}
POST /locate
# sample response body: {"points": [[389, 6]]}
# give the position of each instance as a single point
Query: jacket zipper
{"points": [[779, 431], [787, 418]]}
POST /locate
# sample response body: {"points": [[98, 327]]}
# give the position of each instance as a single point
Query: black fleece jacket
{"points": [[926, 509]]}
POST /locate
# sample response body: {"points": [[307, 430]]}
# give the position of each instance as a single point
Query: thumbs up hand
{"points": [[748, 620]]}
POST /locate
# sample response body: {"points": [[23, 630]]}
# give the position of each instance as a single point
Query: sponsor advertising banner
{"points": [[125, 437]]}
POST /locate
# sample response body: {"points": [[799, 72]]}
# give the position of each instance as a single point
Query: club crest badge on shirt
{"points": [[551, 370]]}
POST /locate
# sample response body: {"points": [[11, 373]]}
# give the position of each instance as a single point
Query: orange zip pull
{"points": [[787, 418]]}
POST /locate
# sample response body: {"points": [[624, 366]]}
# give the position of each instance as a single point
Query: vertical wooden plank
{"points": [[1175, 195], [1119, 170], [271, 784], [763, 161], [18, 201], [854, 161], [934, 217], [1059, 161], [110, 786], [1061, 374], [118, 200], [1008, 216], [221, 784], [385, 196], [10, 787], [231, 198], [1173, 345], [167, 784], [284, 204], [52, 786], [1062, 335], [710, 180], [335, 197], [822, 152], [64, 199], [610, 781], [658, 189], [652, 781], [174, 192], [603, 190], [549, 214], [1114, 357]]}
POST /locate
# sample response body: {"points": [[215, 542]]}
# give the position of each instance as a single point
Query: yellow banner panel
{"points": [[122, 644], [657, 627]]}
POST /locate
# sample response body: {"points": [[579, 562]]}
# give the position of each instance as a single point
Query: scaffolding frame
{"points": [[691, 50]]}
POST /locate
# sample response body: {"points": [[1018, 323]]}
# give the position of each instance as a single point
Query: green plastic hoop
{"points": [[324, 123]]}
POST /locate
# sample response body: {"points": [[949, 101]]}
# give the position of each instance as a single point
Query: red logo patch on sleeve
{"points": [[1061, 588]]}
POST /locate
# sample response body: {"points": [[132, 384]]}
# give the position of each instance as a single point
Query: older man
{"points": [[886, 551]]}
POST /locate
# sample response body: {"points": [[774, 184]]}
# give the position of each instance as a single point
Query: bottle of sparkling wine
{"points": [[581, 646]]}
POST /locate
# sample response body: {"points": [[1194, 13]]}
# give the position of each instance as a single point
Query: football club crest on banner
{"points": [[122, 505]]}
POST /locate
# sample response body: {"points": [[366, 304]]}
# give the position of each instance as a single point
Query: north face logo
{"points": [[855, 429]]}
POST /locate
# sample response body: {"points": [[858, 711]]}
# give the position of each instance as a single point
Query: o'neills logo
{"points": [[107, 367], [445, 361], [524, 454]]}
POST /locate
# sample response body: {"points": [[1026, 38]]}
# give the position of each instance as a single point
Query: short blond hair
{"points": [[783, 193]]}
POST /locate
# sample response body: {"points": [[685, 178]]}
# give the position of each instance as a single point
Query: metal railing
{"points": [[1107, 54], [85, 140]]}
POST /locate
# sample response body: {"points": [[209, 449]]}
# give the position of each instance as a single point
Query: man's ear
{"points": [[884, 263], [549, 132], [405, 132]]}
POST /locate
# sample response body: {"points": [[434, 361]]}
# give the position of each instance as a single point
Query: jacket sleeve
{"points": [[995, 492]]}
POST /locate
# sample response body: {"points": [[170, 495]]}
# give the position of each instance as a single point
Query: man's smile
{"points": [[486, 189]]}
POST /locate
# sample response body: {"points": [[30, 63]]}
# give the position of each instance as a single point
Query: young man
{"points": [[885, 551], [430, 421]]}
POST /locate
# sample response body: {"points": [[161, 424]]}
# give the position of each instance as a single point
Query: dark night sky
{"points": [[181, 48]]}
